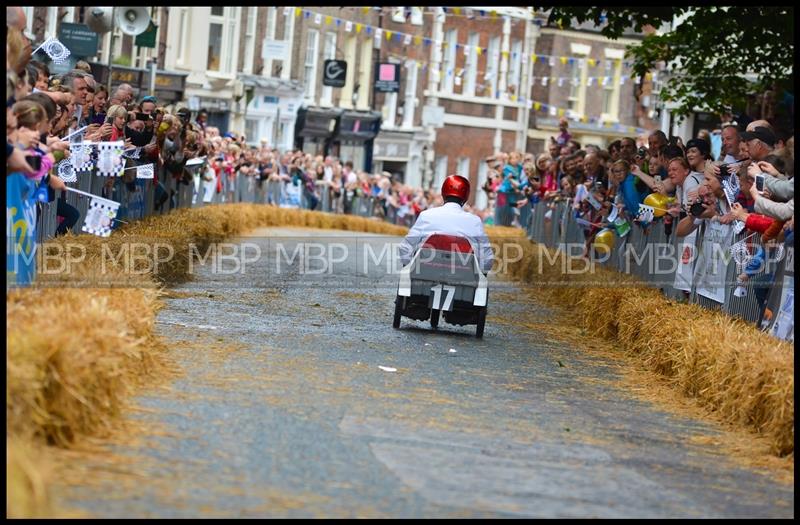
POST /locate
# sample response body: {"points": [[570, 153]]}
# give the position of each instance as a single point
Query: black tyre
{"points": [[481, 323], [398, 312], [435, 318]]}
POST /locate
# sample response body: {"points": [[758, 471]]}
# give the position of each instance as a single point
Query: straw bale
{"points": [[744, 376]]}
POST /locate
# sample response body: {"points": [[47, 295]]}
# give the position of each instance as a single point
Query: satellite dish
{"points": [[100, 19], [133, 20]]}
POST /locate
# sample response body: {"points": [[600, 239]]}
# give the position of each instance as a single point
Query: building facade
{"points": [[473, 81]]}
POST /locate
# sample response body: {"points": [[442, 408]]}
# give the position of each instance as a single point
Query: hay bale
{"points": [[744, 376]]}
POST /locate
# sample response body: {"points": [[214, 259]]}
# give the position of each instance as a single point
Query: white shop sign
{"points": [[274, 49]]}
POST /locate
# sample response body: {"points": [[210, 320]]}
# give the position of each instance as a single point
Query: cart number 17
{"points": [[448, 299]]}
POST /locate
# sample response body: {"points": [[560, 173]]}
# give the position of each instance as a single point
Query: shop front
{"points": [[169, 87], [271, 113]]}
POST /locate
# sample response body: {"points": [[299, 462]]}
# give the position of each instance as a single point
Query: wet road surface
{"points": [[283, 411]]}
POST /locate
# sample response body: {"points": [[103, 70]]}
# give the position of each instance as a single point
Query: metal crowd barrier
{"points": [[651, 255]]}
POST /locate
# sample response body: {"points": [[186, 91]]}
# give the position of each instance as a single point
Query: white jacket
{"points": [[449, 219]]}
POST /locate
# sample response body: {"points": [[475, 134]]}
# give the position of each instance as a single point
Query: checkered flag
{"points": [[144, 171], [100, 216], [730, 186], [109, 159], [646, 213], [66, 172], [81, 156], [132, 153]]}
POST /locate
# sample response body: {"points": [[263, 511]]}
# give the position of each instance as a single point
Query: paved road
{"points": [[284, 411]]}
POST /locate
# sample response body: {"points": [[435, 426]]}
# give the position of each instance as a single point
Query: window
{"points": [[578, 76], [492, 63], [272, 15], [574, 84], [416, 16], [471, 64], [183, 34], [311, 63], [250, 39], [329, 53], [52, 19], [481, 199], [228, 57], [608, 96], [514, 68], [389, 111], [449, 65], [214, 47], [222, 33], [251, 131], [441, 171], [611, 90], [399, 15], [463, 167]]}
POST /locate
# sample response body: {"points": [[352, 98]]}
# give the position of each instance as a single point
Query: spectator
{"points": [[627, 149], [633, 189], [760, 142], [614, 150]]}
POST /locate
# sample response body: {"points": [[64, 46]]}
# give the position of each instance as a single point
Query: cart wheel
{"points": [[398, 312], [481, 323], [435, 318]]}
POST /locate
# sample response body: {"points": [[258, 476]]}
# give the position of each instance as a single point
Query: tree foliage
{"points": [[707, 54]]}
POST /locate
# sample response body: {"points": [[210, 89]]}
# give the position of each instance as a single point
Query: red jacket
{"points": [[758, 223]]}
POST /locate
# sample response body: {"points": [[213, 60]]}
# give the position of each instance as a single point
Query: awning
{"points": [[317, 122], [358, 126], [271, 84]]}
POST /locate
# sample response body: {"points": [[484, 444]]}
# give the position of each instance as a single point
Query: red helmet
{"points": [[456, 186]]}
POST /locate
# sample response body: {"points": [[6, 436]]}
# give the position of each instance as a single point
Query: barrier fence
{"points": [[655, 257], [145, 197], [649, 254]]}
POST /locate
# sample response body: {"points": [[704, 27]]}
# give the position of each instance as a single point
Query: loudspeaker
{"points": [[100, 19], [133, 20]]}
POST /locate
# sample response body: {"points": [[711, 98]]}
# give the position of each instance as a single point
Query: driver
{"points": [[450, 219]]}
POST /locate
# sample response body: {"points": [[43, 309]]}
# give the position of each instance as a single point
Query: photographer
{"points": [[705, 203]]}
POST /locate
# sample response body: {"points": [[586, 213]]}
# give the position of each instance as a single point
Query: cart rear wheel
{"points": [[481, 323], [398, 312], [435, 319]]}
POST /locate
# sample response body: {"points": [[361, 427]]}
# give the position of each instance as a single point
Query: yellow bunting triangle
{"points": [[537, 106], [297, 11], [479, 50], [365, 10], [533, 58], [328, 20], [505, 54], [494, 14], [457, 10], [560, 112], [358, 28], [592, 62], [388, 35], [564, 60]]}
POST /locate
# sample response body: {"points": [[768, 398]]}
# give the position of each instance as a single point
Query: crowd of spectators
{"points": [[602, 185]]}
